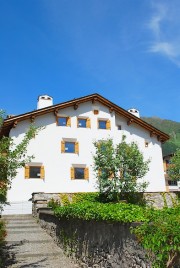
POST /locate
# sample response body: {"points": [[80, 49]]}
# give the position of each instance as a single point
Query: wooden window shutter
{"points": [[88, 123], [97, 123], [42, 172], [111, 175], [68, 121], [27, 172], [72, 173], [99, 172], [108, 124], [76, 147], [62, 146], [86, 173]]}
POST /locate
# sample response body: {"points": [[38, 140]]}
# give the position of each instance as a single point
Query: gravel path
{"points": [[28, 245]]}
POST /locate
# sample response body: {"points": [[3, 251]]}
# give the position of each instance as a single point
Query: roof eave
{"points": [[8, 123]]}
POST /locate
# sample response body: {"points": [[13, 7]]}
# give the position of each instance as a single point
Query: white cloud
{"points": [[164, 48], [155, 22], [165, 28]]}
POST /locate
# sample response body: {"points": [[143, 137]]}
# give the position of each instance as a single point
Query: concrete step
{"points": [[21, 236], [21, 226], [41, 262], [28, 245], [18, 217], [17, 242], [11, 221]]}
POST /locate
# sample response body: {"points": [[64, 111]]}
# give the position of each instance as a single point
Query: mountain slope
{"points": [[170, 127]]}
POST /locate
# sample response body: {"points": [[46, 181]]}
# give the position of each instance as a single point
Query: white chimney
{"points": [[134, 112], [44, 101]]}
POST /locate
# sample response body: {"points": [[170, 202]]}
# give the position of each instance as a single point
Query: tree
{"points": [[12, 157], [174, 167], [119, 169]]}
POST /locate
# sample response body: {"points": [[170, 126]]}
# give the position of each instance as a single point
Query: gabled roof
{"points": [[131, 119]]}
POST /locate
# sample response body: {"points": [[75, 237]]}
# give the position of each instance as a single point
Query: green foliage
{"points": [[174, 167], [2, 232], [2, 241], [158, 231], [67, 199], [160, 236], [12, 157], [64, 199], [119, 169], [53, 203], [81, 197], [88, 210], [170, 127]]}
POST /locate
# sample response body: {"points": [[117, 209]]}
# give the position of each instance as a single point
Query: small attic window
{"points": [[146, 144], [49, 98], [42, 97], [96, 111]]}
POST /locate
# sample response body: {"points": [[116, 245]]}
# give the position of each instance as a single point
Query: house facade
{"points": [[171, 186], [63, 150]]}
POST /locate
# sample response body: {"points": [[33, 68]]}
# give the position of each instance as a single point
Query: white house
{"points": [[63, 150]]}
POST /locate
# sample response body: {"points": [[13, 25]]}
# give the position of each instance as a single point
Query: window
{"points": [[96, 112], [104, 124], [64, 121], [69, 147], [79, 173], [34, 172], [84, 123], [146, 143], [172, 183], [119, 127]]}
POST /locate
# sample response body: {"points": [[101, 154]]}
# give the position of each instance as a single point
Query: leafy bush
{"points": [[2, 237], [87, 210], [160, 236], [120, 169], [158, 231], [67, 199], [2, 232]]}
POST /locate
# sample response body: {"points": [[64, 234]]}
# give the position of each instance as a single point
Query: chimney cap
{"points": [[44, 96], [134, 111], [44, 101]]}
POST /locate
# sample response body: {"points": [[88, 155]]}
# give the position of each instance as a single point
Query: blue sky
{"points": [[126, 50]]}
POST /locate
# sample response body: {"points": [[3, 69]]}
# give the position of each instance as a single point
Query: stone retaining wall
{"points": [[157, 200], [95, 244]]}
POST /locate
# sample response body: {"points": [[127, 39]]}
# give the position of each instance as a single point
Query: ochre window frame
{"points": [[63, 143], [88, 122], [68, 121], [108, 124], [86, 173], [27, 172]]}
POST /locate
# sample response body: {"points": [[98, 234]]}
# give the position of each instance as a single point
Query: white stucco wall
{"points": [[46, 148]]}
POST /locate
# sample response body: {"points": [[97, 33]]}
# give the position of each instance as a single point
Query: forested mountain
{"points": [[170, 127]]}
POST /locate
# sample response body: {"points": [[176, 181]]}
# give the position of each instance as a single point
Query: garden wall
{"points": [[157, 200], [95, 244]]}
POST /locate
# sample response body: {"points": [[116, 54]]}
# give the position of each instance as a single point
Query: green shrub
{"points": [[2, 237], [160, 236], [102, 211], [2, 232], [158, 231]]}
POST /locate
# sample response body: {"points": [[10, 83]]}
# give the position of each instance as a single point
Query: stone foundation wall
{"points": [[95, 244]]}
